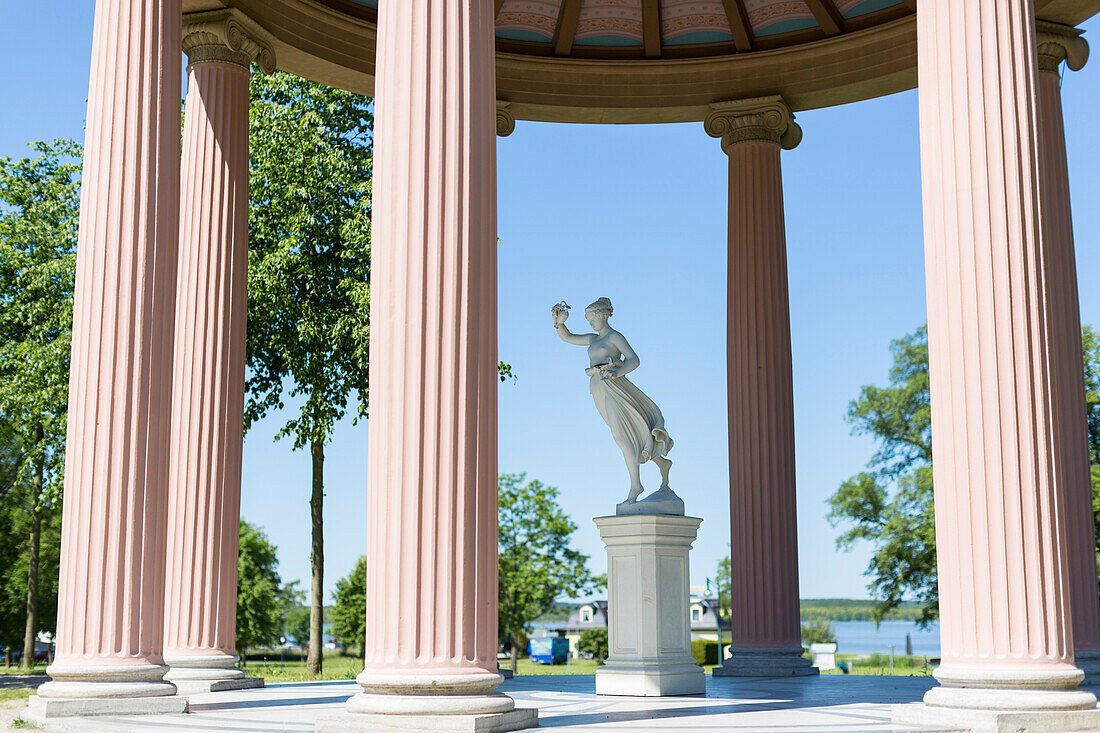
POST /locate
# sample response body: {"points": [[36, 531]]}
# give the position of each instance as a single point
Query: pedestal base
{"points": [[40, 709], [649, 632], [486, 723], [995, 721], [651, 680], [766, 663], [661, 501]]}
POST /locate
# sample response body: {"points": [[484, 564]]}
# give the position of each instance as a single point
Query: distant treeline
{"points": [[828, 610], [822, 610]]}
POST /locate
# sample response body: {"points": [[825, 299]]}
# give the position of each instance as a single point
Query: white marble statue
{"points": [[636, 423]]}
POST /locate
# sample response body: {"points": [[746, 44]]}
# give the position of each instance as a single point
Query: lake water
{"points": [[861, 637]]}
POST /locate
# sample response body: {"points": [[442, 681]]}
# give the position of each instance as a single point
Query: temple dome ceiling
{"points": [[624, 61]]}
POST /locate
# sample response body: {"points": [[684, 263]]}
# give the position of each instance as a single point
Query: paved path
{"points": [[831, 704]]}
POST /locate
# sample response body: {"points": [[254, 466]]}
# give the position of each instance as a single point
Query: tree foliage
{"points": [[309, 252], [593, 643], [15, 522], [890, 504], [39, 211], [350, 607], [296, 624], [537, 564], [817, 632], [724, 580], [309, 272], [261, 596]]}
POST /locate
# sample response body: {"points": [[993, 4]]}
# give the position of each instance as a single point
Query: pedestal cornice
{"points": [[1058, 43], [226, 36], [767, 119]]}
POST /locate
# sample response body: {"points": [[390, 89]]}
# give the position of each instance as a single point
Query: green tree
{"points": [[261, 595], [724, 580], [536, 563], [817, 632], [309, 274], [594, 643], [296, 624], [39, 210], [890, 505], [350, 607], [12, 595]]}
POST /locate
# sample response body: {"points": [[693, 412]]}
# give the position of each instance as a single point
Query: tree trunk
{"points": [[317, 561], [31, 632], [515, 651]]}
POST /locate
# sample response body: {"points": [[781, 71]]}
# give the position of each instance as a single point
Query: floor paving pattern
{"points": [[830, 704]]}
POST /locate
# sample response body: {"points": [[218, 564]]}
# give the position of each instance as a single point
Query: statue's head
{"points": [[599, 312]]}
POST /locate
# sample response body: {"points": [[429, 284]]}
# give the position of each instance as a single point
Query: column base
{"points": [[41, 709], [752, 662], [653, 679], [416, 702], [520, 719], [1005, 700], [199, 687], [107, 681], [196, 674], [1089, 663], [994, 721]]}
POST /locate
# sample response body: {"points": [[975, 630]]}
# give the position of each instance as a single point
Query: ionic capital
{"points": [[1058, 43], [764, 118], [506, 123], [224, 36]]}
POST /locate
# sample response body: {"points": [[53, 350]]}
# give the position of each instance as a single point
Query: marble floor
{"points": [[831, 704]]}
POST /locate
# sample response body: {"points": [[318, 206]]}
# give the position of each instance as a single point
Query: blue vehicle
{"points": [[548, 650]]}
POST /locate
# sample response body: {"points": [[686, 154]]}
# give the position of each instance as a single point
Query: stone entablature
{"points": [[223, 36]]}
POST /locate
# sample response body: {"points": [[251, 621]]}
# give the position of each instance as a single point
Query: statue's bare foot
{"points": [[635, 492]]}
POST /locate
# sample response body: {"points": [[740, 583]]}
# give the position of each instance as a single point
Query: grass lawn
{"points": [[334, 667], [20, 695], [879, 664], [576, 666], [16, 669]]}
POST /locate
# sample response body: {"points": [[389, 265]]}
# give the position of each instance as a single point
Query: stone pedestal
{"points": [[649, 634]]}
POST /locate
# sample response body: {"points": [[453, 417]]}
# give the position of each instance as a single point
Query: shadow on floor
{"points": [[21, 681]]}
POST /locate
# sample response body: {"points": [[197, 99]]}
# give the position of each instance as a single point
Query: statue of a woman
{"points": [[635, 422]]}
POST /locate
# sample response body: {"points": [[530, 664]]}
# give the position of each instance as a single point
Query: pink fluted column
{"points": [[766, 638], [432, 508], [1005, 626], [208, 381], [111, 597], [1057, 44]]}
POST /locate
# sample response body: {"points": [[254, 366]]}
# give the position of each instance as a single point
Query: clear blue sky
{"points": [[636, 213]]}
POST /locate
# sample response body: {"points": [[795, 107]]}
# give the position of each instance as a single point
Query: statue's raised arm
{"points": [[636, 422], [560, 313]]}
